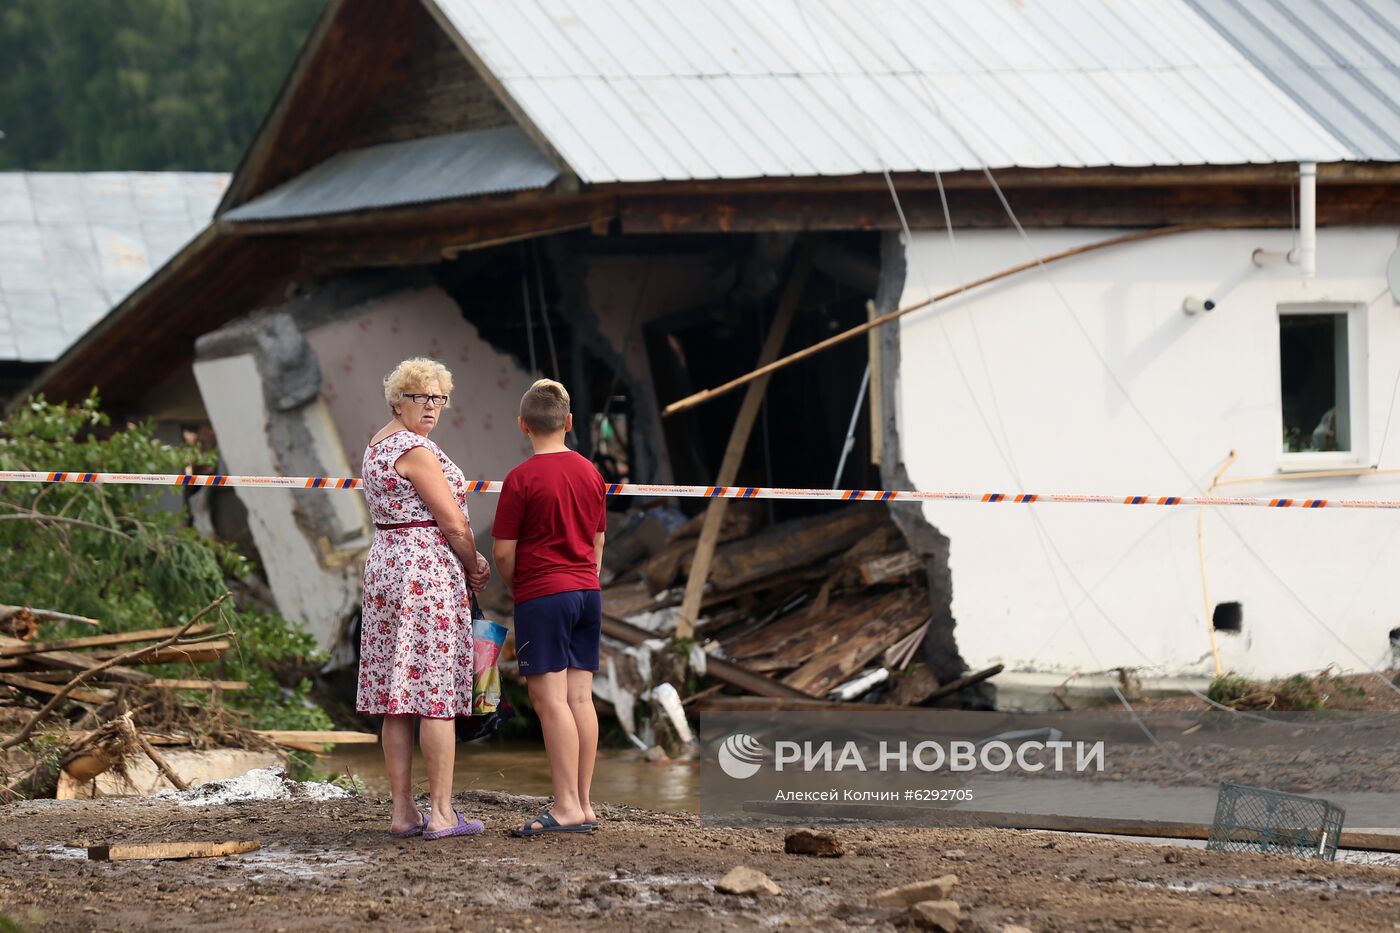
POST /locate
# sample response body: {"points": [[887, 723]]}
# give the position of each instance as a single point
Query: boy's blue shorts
{"points": [[559, 631]]}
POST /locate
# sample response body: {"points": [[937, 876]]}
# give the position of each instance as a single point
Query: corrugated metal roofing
{"points": [[418, 171], [1339, 59], [647, 90], [73, 245]]}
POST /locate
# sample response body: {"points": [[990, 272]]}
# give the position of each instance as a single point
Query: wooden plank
{"points": [[739, 441], [95, 695], [170, 684], [98, 641], [857, 637], [319, 738], [953, 686], [179, 653], [80, 662], [170, 850]]}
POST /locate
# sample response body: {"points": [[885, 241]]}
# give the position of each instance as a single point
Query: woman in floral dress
{"points": [[416, 630]]}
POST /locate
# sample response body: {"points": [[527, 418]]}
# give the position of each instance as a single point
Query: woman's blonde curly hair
{"points": [[413, 376]]}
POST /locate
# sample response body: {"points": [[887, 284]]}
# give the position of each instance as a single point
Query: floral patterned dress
{"points": [[416, 628]]}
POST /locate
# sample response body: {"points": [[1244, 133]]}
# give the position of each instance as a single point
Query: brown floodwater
{"points": [[622, 776]]}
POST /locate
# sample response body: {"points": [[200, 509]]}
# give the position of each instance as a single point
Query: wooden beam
{"points": [[98, 641], [170, 850], [95, 695], [1235, 206], [77, 662], [739, 442], [318, 738]]}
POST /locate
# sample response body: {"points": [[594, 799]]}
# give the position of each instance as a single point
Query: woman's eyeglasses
{"points": [[439, 401]]}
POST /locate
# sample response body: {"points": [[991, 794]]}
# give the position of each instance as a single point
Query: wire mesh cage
{"points": [[1254, 819]]}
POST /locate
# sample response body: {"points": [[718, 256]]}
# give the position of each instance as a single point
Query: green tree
{"points": [[141, 85], [126, 555]]}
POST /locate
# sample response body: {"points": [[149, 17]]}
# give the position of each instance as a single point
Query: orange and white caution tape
{"points": [[709, 492]]}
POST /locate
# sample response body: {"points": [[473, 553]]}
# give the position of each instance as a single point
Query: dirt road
{"points": [[329, 865]]}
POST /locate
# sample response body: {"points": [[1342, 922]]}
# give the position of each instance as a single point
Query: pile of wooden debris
{"points": [[833, 607], [74, 709]]}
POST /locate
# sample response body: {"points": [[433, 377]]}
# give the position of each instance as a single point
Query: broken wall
{"points": [[360, 345]]}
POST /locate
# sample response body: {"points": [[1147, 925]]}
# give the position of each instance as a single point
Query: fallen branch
{"points": [[156, 757], [8, 612], [82, 677]]}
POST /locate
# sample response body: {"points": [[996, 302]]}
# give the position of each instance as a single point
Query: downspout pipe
{"points": [[1307, 219], [1304, 255]]}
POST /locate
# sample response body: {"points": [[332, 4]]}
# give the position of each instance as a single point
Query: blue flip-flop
{"points": [[548, 824], [464, 827]]}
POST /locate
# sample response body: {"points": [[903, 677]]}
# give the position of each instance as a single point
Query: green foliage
{"points": [[126, 555], [1229, 689], [154, 85]]}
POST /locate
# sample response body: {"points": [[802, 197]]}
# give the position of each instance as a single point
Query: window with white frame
{"points": [[1318, 380]]}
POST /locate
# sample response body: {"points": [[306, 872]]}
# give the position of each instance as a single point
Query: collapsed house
{"points": [[622, 197]]}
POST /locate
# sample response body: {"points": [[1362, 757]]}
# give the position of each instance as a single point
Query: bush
{"points": [[126, 554]]}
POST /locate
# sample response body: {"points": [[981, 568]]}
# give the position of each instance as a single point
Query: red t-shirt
{"points": [[552, 505]]}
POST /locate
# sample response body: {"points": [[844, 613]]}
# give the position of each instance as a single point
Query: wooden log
{"points": [[794, 545], [95, 695], [890, 567], [721, 670], [170, 850], [97, 641], [739, 442]]}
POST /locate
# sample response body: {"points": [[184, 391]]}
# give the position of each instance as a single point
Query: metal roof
{"points": [[1339, 59], [417, 171], [73, 245], [647, 90]]}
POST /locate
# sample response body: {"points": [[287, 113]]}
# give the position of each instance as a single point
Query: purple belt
{"points": [[393, 525]]}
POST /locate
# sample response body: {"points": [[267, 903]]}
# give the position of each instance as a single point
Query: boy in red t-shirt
{"points": [[549, 549]]}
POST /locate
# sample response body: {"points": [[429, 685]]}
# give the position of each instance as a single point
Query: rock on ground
{"points": [[936, 915], [907, 895], [807, 842], [744, 880]]}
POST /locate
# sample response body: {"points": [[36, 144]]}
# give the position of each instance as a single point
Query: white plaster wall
{"points": [[479, 433], [317, 593], [1004, 390]]}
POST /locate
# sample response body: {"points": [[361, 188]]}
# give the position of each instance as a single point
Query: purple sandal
{"points": [[414, 830], [464, 827]]}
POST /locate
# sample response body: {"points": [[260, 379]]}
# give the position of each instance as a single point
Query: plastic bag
{"points": [[487, 639]]}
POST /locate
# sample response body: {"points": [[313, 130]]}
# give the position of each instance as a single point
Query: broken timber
{"points": [[171, 850], [739, 442], [719, 669]]}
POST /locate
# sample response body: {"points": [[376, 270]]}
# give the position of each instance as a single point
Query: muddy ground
{"points": [[329, 865]]}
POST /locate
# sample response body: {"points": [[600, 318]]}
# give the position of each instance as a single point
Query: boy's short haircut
{"points": [[545, 406]]}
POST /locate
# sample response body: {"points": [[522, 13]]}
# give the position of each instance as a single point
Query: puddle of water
{"points": [[621, 777]]}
